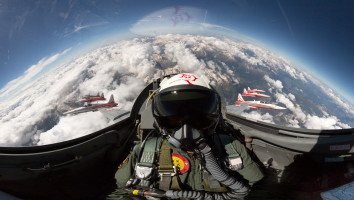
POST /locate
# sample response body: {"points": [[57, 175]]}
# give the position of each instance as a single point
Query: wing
{"points": [[114, 114], [285, 143]]}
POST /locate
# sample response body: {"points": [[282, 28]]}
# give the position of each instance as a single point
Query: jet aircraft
{"points": [[92, 98], [256, 104], [254, 90], [93, 107], [252, 94]]}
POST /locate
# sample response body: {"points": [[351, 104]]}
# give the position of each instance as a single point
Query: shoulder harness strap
{"points": [[145, 166], [233, 157]]}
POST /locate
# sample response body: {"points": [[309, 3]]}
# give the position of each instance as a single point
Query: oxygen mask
{"points": [[186, 138]]}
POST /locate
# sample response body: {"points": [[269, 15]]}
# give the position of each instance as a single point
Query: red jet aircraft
{"points": [[256, 104], [93, 107], [92, 98], [254, 90], [252, 94]]}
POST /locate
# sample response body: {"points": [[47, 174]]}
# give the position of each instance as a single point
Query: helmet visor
{"points": [[197, 108]]}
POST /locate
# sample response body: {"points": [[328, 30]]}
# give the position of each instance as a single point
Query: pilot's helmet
{"points": [[186, 99]]}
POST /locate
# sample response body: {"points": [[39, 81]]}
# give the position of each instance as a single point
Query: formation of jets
{"points": [[89, 106], [255, 104], [92, 107]]}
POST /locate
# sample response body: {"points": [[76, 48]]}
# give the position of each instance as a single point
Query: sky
{"points": [[315, 34]]}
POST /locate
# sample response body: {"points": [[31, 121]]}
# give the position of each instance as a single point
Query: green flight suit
{"points": [[193, 179]]}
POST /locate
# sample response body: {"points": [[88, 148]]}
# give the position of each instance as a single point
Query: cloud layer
{"points": [[298, 115], [33, 114]]}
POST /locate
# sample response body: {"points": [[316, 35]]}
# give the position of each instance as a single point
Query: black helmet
{"points": [[186, 99]]}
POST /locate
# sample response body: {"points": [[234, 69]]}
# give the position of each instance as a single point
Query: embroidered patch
{"points": [[180, 162]]}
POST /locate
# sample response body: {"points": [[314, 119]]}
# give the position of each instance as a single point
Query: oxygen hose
{"points": [[238, 188]]}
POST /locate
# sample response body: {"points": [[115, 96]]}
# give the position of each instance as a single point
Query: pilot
{"points": [[189, 155]]}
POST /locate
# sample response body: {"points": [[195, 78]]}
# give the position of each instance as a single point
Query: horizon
{"points": [[276, 25]]}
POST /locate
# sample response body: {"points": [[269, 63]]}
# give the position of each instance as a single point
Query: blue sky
{"points": [[317, 34]]}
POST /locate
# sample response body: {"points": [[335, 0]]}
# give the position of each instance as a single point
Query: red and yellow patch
{"points": [[180, 162]]}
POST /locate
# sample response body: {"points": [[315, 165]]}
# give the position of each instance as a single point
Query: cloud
{"points": [[291, 96], [70, 127], [309, 121], [330, 122], [31, 73], [348, 108], [81, 27], [34, 115], [214, 27], [275, 83], [258, 116], [186, 60], [299, 116]]}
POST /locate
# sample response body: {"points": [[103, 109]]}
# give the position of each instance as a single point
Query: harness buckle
{"points": [[168, 172], [143, 172], [235, 163]]}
